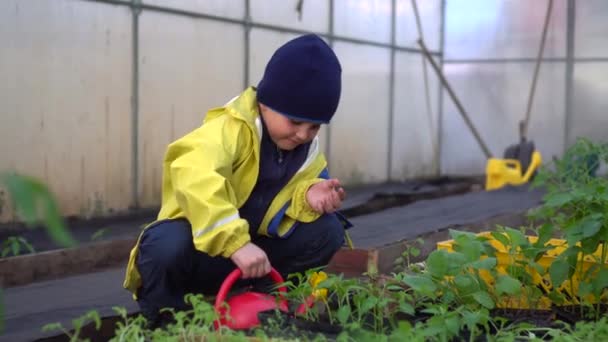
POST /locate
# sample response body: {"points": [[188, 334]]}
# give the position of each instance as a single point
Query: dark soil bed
{"points": [[287, 326], [363, 200]]}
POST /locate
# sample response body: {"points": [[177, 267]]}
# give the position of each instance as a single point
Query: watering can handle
{"points": [[236, 275]]}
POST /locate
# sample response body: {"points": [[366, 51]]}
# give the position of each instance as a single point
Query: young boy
{"points": [[248, 188]]}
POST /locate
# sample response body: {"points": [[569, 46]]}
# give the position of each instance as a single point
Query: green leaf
{"points": [[468, 245], [437, 263], [484, 299], [472, 319], [589, 245], [502, 238], [558, 271], [421, 284], [557, 200], [414, 251], [486, 264], [456, 262], [463, 282], [601, 280], [508, 285], [35, 204], [99, 234], [590, 226], [545, 233], [15, 247], [584, 288], [517, 238], [52, 327], [406, 308], [453, 325], [343, 314]]}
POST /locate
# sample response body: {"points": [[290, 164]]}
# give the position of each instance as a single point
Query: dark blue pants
{"points": [[170, 267]]}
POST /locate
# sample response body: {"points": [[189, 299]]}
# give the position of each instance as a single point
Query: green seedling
{"points": [[16, 245]]}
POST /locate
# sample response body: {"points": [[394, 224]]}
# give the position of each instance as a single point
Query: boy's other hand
{"points": [[326, 197], [252, 261]]}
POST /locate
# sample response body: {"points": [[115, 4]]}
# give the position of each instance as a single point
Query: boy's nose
{"points": [[302, 135]]}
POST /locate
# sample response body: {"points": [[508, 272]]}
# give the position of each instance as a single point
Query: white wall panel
{"points": [[415, 129], [363, 19], [503, 28], [314, 15], [495, 97], [591, 28], [590, 107], [186, 68], [234, 9], [359, 145], [406, 33], [65, 100]]}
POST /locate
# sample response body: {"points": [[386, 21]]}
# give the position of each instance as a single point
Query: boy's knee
{"points": [[329, 234], [166, 244], [335, 234]]}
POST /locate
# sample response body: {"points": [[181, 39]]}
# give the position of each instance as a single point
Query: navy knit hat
{"points": [[302, 80]]}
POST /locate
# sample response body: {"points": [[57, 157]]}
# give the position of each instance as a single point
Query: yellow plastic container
{"points": [[500, 172], [505, 258]]}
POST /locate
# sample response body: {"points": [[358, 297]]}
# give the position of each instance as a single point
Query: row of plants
{"points": [[505, 285]]}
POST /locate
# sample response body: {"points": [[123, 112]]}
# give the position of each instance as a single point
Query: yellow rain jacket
{"points": [[209, 173]]}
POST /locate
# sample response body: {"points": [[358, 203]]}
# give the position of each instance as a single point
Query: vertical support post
{"points": [[569, 96], [247, 43], [135, 12], [391, 92], [440, 97], [331, 44]]}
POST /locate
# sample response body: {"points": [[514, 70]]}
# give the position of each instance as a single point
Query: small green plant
{"points": [[78, 324], [521, 273], [16, 245], [195, 324], [34, 204], [455, 278], [411, 250], [99, 234], [576, 205]]}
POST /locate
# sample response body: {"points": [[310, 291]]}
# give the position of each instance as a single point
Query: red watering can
{"points": [[242, 311]]}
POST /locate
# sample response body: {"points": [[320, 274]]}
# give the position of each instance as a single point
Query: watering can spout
{"points": [[501, 172]]}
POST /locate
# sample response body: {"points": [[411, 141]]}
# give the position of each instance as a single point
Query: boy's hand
{"points": [[326, 197], [252, 261]]}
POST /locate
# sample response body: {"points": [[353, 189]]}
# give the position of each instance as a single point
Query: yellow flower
{"points": [[315, 279]]}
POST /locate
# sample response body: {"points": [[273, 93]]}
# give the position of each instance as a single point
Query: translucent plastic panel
{"points": [[495, 97], [363, 19], [263, 44], [590, 108], [184, 71], [503, 29], [314, 15], [430, 18], [415, 128], [65, 100], [591, 28], [359, 130], [222, 8]]}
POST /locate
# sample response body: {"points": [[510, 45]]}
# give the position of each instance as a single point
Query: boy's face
{"points": [[285, 132]]}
